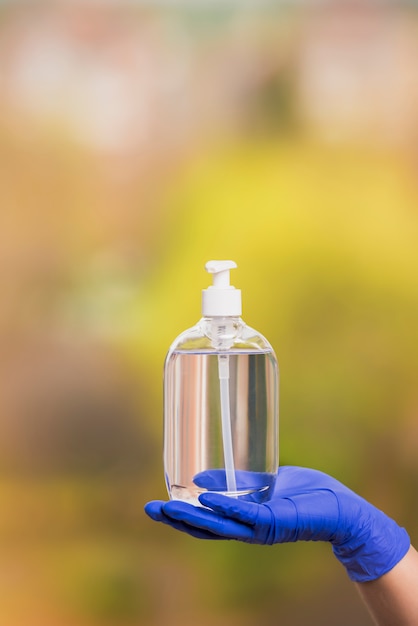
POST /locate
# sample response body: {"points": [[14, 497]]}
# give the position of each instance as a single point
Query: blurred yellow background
{"points": [[137, 141]]}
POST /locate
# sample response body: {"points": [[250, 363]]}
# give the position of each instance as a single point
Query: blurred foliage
{"points": [[103, 259]]}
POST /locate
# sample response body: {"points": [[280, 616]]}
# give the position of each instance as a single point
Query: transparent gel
{"points": [[194, 434]]}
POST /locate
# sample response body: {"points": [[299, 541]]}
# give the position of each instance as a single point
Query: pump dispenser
{"points": [[220, 402], [221, 299]]}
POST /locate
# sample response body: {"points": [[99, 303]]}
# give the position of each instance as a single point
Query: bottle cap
{"points": [[221, 299]]}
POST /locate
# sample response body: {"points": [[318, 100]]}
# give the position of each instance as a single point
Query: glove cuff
{"points": [[377, 554]]}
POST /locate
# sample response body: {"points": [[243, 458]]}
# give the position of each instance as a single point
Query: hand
{"points": [[306, 505]]}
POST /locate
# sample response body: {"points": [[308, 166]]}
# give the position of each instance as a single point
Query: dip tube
{"points": [[223, 366]]}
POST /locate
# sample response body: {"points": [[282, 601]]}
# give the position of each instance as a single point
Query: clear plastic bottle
{"points": [[220, 402]]}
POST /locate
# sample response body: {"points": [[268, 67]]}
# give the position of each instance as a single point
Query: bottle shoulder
{"points": [[240, 337]]}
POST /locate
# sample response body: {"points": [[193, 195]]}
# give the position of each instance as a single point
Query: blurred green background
{"points": [[137, 141]]}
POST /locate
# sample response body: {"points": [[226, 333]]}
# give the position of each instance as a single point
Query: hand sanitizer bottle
{"points": [[220, 402]]}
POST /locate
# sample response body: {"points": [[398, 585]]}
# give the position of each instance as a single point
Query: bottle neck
{"points": [[222, 331]]}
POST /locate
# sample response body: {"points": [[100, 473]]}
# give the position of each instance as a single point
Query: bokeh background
{"points": [[137, 141]]}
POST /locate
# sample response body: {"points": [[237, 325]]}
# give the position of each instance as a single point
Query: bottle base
{"points": [[191, 494]]}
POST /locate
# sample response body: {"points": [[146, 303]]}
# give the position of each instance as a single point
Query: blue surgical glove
{"points": [[306, 505]]}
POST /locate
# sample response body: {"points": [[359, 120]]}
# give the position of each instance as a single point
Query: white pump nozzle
{"points": [[220, 271], [221, 299]]}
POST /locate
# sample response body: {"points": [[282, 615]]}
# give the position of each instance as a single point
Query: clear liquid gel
{"points": [[208, 446]]}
